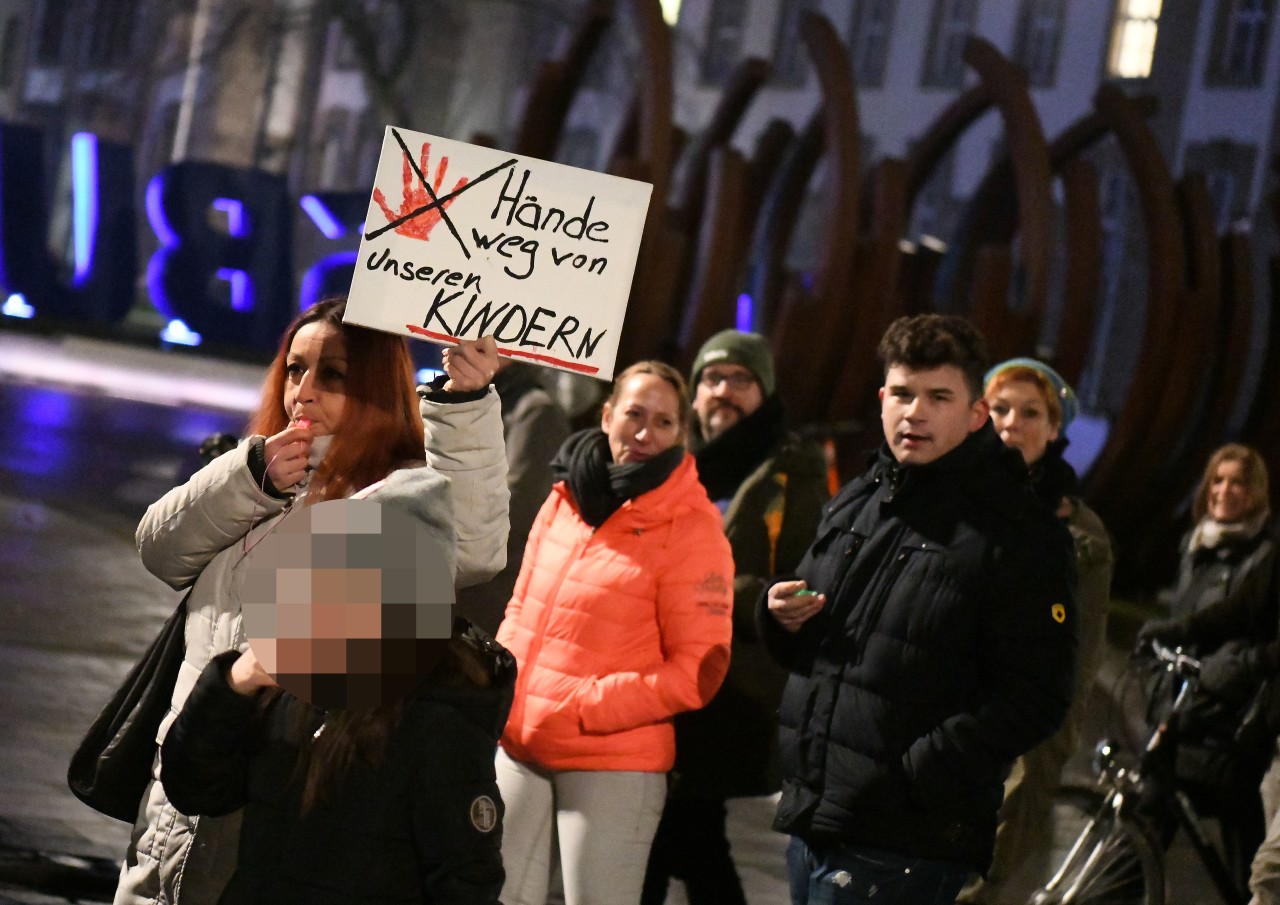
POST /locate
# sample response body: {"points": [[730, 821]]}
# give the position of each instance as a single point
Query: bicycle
{"points": [[1119, 858]]}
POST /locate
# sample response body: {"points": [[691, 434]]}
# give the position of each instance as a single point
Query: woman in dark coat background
{"points": [[1224, 608]]}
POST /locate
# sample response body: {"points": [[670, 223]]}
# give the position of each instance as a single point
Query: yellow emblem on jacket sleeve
{"points": [[1059, 613]]}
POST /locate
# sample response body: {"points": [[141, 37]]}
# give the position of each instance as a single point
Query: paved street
{"points": [[78, 465], [77, 469]]}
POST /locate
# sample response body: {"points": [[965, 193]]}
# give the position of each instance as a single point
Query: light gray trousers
{"points": [[604, 820]]}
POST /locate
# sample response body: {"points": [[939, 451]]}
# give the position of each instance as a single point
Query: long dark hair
{"points": [[380, 428], [352, 738]]}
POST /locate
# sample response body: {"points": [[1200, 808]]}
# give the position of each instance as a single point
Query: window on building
{"points": [[1133, 39], [53, 22], [869, 39], [10, 47], [1039, 35], [944, 62], [1240, 43], [724, 40], [790, 57]]}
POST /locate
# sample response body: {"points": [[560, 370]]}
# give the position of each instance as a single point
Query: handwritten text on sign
{"points": [[463, 241]]}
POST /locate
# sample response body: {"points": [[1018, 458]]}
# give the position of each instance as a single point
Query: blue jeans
{"points": [[856, 875]]}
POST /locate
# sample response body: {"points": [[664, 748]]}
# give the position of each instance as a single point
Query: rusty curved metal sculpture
{"points": [[715, 222], [1082, 279], [1262, 424], [1157, 556], [876, 261], [938, 139], [1201, 377], [1137, 435], [720, 247], [651, 319], [557, 82], [767, 276], [744, 84], [733, 212], [1015, 197], [814, 327]]}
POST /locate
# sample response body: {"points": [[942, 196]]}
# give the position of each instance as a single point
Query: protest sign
{"points": [[462, 241]]}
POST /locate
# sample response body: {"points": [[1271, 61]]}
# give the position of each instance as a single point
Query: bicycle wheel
{"points": [[1114, 861]]}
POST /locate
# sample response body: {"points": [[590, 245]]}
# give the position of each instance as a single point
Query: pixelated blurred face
{"points": [[726, 393], [315, 377], [1229, 492], [926, 414], [1021, 418], [348, 604], [644, 420]]}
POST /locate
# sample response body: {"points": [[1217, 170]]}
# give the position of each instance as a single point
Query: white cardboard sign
{"points": [[462, 241]]}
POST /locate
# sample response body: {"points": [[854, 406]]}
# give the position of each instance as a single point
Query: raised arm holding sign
{"points": [[537, 254]]}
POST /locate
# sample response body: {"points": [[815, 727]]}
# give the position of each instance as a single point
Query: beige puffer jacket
{"points": [[195, 536]]}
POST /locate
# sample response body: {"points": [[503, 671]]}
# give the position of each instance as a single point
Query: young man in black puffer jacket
{"points": [[930, 638]]}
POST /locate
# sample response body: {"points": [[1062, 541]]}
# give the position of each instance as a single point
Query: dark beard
{"points": [[725, 405], [725, 461]]}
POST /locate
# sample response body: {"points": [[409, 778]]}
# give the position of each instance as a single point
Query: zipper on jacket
{"points": [[897, 477]]}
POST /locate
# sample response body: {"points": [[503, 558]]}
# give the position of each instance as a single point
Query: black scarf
{"points": [[600, 487], [1052, 476], [725, 461]]}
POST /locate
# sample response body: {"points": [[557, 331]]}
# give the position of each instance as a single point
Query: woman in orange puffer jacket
{"points": [[620, 619]]}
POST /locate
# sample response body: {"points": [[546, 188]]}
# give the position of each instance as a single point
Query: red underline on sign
{"points": [[514, 353]]}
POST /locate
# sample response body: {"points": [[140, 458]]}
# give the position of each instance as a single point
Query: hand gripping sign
{"points": [[462, 241]]}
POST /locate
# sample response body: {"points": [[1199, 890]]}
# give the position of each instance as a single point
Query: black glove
{"points": [[1226, 673], [1172, 632]]}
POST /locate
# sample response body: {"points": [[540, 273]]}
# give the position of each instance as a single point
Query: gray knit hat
{"points": [[749, 350]]}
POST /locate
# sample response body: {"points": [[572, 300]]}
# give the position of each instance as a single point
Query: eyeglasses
{"points": [[737, 380]]}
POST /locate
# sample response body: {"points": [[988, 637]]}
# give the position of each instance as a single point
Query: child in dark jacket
{"points": [[415, 816]]}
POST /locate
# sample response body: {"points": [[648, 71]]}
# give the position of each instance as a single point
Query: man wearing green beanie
{"points": [[770, 484]]}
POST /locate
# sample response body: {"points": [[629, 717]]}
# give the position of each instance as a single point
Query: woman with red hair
{"points": [[338, 414]]}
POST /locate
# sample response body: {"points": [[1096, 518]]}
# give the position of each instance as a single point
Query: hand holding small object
{"points": [[792, 604], [287, 454]]}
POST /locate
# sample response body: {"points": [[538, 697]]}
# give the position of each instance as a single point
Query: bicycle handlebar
{"points": [[1182, 665]]}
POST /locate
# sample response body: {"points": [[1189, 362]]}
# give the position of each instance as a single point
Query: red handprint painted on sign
{"points": [[416, 197]]}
